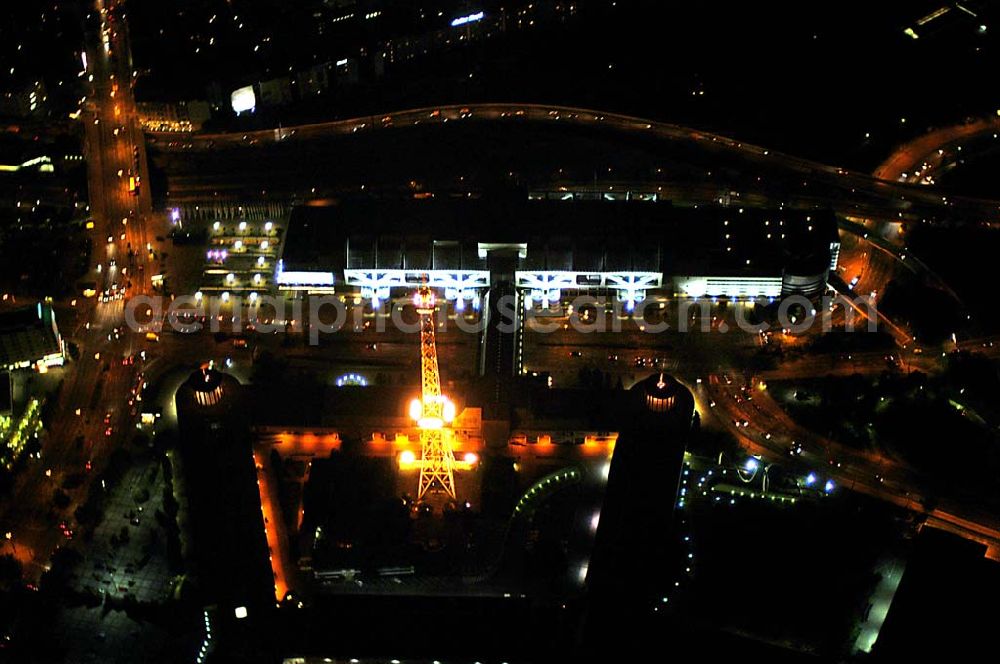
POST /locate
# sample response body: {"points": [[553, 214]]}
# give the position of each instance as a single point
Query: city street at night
{"points": [[538, 331]]}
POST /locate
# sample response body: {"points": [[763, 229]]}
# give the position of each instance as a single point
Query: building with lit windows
{"points": [[29, 337], [557, 248], [567, 513], [182, 116]]}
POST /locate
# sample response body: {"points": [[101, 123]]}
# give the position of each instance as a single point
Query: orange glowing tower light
{"points": [[433, 411]]}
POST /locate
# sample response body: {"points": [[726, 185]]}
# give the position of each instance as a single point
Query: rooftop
{"points": [[28, 334], [582, 236]]}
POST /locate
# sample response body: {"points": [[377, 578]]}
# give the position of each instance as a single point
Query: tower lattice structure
{"points": [[437, 460]]}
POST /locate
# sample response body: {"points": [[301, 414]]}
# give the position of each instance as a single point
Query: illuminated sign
{"points": [[293, 278], [243, 100], [469, 18]]}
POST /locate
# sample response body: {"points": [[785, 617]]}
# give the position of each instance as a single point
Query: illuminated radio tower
{"points": [[433, 411]]}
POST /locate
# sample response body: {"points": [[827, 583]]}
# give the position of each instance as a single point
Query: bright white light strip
{"points": [[582, 280], [469, 18], [729, 286], [305, 278]]}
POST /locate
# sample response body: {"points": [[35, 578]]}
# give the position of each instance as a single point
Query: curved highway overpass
{"points": [[845, 190]]}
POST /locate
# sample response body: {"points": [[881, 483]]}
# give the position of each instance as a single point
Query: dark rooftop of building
{"points": [[941, 606], [583, 236], [220, 483], [6, 394], [27, 334]]}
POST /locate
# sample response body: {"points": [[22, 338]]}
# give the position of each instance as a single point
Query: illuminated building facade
{"points": [[629, 249], [173, 117]]}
